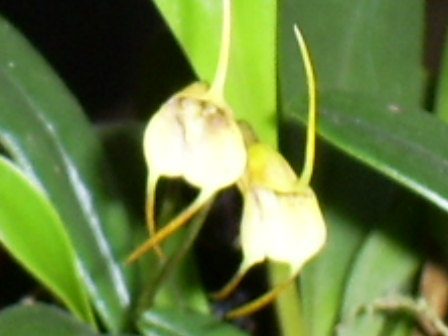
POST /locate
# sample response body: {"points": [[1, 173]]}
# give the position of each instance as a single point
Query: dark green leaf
{"points": [[33, 233], [404, 144], [350, 213], [356, 47], [408, 146], [40, 320], [176, 322], [441, 103], [44, 130]]}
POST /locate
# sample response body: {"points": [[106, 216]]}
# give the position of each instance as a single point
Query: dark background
{"points": [[104, 50]]}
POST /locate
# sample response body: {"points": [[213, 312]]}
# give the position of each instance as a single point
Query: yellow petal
{"points": [[268, 168]]}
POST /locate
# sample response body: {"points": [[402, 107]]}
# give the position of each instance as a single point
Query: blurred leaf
{"points": [[356, 47], [361, 73], [40, 320], [381, 137], [251, 82], [365, 89], [43, 128], [384, 266], [408, 146], [441, 102], [350, 215], [321, 302], [404, 144], [33, 233], [122, 142], [175, 322], [365, 103]]}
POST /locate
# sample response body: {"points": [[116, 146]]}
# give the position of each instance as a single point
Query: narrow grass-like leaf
{"points": [[43, 128], [32, 232]]}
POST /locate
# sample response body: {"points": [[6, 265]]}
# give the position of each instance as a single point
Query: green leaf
{"points": [[43, 128], [321, 301], [40, 320], [251, 81], [365, 88], [441, 101], [407, 145], [176, 322], [386, 265], [356, 47], [33, 233], [366, 102], [349, 218]]}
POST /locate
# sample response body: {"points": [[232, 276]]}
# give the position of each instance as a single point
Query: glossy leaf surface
{"points": [[405, 144], [33, 233], [43, 128], [39, 320], [169, 322]]}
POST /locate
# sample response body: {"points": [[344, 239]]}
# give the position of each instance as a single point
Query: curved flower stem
{"points": [[217, 89], [202, 198], [308, 166], [150, 209]]}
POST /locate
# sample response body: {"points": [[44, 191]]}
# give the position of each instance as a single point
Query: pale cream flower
{"points": [[281, 221], [195, 137]]}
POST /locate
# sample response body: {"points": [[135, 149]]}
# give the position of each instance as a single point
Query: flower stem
{"points": [[288, 303]]}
